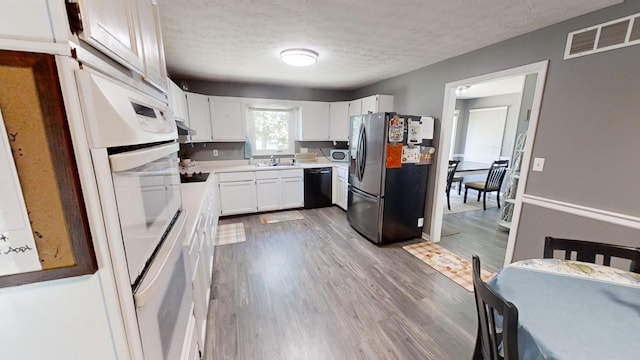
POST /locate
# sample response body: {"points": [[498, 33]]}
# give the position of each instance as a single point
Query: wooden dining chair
{"points": [[493, 183], [587, 251], [494, 341], [457, 179], [451, 172]]}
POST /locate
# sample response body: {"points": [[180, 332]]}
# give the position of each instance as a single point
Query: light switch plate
{"points": [[538, 164], [215, 152]]}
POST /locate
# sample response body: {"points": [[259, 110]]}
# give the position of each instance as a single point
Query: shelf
{"points": [[510, 201]]}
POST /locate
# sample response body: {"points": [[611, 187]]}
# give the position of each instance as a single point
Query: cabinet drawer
{"points": [[289, 173], [236, 176], [268, 174]]}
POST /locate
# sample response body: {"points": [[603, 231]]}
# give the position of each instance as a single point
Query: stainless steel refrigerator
{"points": [[386, 193]]}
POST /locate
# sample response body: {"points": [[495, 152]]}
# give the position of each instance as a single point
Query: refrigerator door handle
{"points": [[362, 152], [363, 194]]}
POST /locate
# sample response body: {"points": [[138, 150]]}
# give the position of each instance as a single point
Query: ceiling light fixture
{"points": [[299, 57]]}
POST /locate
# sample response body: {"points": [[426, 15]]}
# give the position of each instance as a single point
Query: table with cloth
{"points": [[572, 310]]}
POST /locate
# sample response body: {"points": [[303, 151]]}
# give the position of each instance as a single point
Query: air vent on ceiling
{"points": [[607, 36]]}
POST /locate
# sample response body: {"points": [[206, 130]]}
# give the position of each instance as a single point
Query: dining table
{"points": [[572, 310]]}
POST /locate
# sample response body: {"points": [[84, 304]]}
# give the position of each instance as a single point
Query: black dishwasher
{"points": [[317, 187]]}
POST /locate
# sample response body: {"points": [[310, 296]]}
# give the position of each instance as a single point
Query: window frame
{"points": [[292, 126]]}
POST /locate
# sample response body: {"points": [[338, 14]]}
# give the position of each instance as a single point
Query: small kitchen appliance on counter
{"points": [[339, 155]]}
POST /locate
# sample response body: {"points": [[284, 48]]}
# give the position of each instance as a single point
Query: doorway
{"points": [[447, 129]]}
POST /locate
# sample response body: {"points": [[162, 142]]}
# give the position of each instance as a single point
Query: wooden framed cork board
{"points": [[40, 142]]}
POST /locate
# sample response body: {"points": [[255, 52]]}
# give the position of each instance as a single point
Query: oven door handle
{"points": [[132, 159], [153, 278]]}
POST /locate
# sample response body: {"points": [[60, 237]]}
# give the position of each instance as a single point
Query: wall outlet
{"points": [[215, 152], [538, 164]]}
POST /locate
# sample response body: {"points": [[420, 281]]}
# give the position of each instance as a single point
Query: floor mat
{"points": [[230, 234], [280, 216], [447, 263]]}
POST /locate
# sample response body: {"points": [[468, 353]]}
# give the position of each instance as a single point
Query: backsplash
{"points": [[235, 150]]}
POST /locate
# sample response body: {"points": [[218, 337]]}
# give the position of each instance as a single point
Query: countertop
{"points": [[216, 167]]}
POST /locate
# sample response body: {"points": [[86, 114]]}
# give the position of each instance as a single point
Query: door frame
{"points": [[446, 130]]}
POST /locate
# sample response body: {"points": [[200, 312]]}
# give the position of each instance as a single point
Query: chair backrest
{"points": [[451, 172], [587, 251], [496, 175], [496, 342]]}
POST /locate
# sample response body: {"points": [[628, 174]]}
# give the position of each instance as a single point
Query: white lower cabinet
{"points": [[190, 350], [280, 189], [200, 248], [268, 194], [293, 191], [262, 190], [340, 187], [237, 193]]}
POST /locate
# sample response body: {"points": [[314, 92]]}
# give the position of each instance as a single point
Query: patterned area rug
{"points": [[447, 263], [280, 216], [230, 234], [458, 205]]}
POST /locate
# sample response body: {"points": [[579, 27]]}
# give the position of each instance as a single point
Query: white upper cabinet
{"points": [[227, 119], [355, 107], [178, 102], [339, 121], [111, 26], [25, 20], [199, 117], [377, 103], [155, 70], [314, 121]]}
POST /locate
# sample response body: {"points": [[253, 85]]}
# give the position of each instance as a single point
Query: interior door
{"points": [[485, 131]]}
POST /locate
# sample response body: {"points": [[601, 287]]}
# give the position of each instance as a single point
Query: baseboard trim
{"points": [[426, 236], [584, 211]]}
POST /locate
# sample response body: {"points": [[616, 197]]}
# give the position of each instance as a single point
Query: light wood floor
{"points": [[476, 232], [316, 289]]}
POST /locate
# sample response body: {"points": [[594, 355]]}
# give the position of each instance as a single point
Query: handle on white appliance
{"points": [[158, 267], [133, 159]]}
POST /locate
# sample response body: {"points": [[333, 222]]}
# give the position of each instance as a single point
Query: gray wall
{"points": [[588, 126], [512, 101], [261, 91]]}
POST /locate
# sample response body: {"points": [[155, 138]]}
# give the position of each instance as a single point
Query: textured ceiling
{"points": [[359, 42]]}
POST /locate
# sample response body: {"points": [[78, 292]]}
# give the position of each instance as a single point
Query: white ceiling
{"points": [[359, 42]]}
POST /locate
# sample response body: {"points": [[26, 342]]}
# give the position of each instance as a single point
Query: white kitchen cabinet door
{"points": [[190, 349], [155, 70], [341, 188], [314, 121], [377, 103], [268, 194], [227, 119], [199, 117], [111, 26], [26, 20], [339, 121], [178, 102], [292, 192], [238, 197], [355, 107]]}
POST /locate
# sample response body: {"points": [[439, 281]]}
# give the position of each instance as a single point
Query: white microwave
{"points": [[339, 155]]}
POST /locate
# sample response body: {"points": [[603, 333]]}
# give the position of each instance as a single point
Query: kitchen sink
{"points": [[286, 164]]}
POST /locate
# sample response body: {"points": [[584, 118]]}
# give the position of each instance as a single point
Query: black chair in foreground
{"points": [[493, 183], [494, 342], [587, 251], [451, 172]]}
